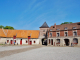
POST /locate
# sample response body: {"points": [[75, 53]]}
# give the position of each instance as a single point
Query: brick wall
{"points": [[43, 32], [61, 33], [53, 34], [70, 33], [78, 32]]}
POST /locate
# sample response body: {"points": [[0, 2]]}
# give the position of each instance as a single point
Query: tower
{"points": [[43, 32]]}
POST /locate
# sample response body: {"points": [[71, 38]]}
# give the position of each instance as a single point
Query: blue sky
{"points": [[31, 14]]}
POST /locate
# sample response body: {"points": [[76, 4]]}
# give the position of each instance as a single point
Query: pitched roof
{"points": [[69, 26], [44, 25], [20, 33]]}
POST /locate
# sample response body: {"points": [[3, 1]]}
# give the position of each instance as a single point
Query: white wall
{"points": [[3, 40]]}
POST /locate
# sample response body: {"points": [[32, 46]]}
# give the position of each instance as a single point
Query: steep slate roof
{"points": [[69, 26], [44, 25], [20, 33]]}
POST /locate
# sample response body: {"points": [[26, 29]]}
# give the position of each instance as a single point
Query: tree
{"points": [[1, 26], [66, 23], [8, 27]]}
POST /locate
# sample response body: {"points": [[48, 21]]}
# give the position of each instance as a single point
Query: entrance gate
{"points": [[66, 42]]}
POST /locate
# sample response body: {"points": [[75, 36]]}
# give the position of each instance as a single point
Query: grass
{"points": [[2, 44]]}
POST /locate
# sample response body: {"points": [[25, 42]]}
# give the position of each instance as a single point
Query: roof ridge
{"points": [[44, 25]]}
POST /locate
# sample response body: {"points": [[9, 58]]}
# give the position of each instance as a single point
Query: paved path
{"points": [[15, 51], [45, 53], [5, 48]]}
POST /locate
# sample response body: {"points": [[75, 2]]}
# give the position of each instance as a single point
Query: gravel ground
{"points": [[5, 48], [47, 53]]}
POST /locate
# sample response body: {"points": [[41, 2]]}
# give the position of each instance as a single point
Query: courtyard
{"points": [[39, 53]]}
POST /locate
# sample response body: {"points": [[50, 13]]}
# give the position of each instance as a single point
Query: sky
{"points": [[31, 14]]}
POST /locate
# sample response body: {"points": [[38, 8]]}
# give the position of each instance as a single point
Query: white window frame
{"points": [[74, 27], [49, 34], [64, 33], [65, 28], [43, 30], [75, 31], [59, 34]]}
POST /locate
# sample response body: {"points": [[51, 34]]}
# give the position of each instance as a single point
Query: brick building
{"points": [[43, 33], [64, 35], [57, 35]]}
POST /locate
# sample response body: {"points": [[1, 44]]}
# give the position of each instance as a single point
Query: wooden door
{"points": [[52, 42], [11, 41], [20, 42]]}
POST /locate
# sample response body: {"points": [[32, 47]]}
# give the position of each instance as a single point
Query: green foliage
{"points": [[66, 23], [6, 27], [1, 26]]}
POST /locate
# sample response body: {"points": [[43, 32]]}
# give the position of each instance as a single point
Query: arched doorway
{"points": [[66, 42], [44, 41], [75, 41], [57, 41]]}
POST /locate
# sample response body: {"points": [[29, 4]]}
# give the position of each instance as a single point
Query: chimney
{"points": [[55, 25]]}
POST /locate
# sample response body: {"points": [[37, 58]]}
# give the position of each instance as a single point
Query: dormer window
{"points": [[66, 28], [58, 29], [50, 30], [53, 27], [74, 27]]}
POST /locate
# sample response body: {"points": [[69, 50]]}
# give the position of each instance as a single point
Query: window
{"points": [[43, 34], [50, 34], [57, 34], [58, 41], [58, 29], [65, 28], [75, 41], [74, 33], [26, 41], [43, 30], [66, 34], [50, 30], [7, 41], [34, 41], [74, 27]]}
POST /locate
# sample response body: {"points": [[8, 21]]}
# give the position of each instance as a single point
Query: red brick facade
{"points": [[61, 33], [53, 34], [78, 32], [70, 33]]}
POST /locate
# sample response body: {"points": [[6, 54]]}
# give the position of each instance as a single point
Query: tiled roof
{"points": [[20, 33], [44, 25], [69, 26]]}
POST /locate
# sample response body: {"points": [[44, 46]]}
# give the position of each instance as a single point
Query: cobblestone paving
{"points": [[46, 53], [15, 51], [5, 48]]}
